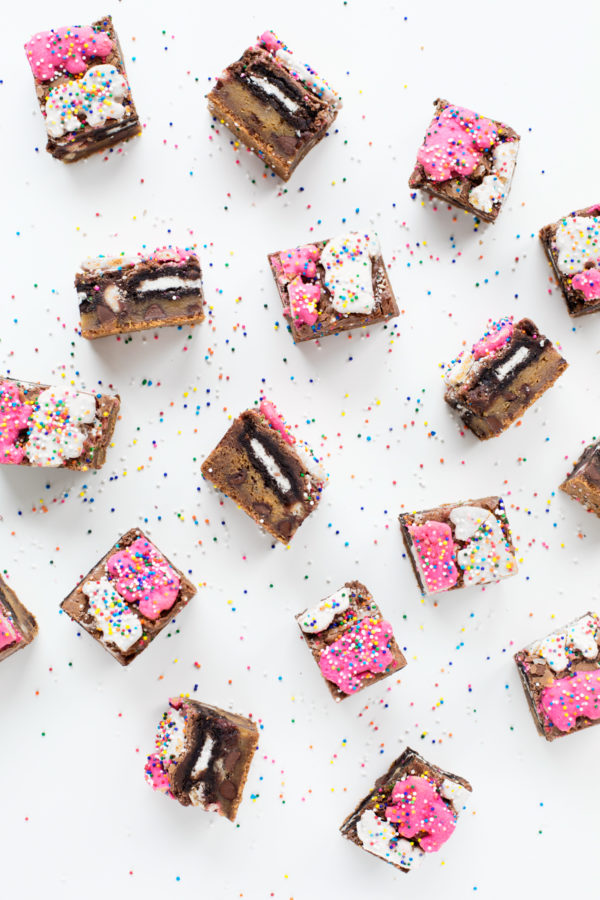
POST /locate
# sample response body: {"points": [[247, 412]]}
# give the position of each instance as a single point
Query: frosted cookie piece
{"points": [[573, 247], [18, 626]]}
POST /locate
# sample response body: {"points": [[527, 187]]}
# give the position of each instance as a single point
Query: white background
{"points": [[76, 818]]}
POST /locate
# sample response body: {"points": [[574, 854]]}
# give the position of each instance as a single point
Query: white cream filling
{"points": [[577, 241], [112, 296], [204, 756], [55, 433], [274, 91], [376, 835], [168, 283], [511, 363], [321, 616], [495, 186], [111, 614], [283, 483]]}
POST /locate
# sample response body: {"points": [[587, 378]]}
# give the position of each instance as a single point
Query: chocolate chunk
{"points": [[286, 527], [228, 789], [263, 510], [105, 314], [231, 759], [238, 477], [155, 312]]}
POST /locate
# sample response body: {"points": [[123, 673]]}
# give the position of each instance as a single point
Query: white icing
{"points": [[196, 795], [310, 79], [95, 97], [457, 793], [167, 283], [112, 297], [495, 186], [486, 556], [349, 272], [459, 372], [174, 724], [204, 756], [111, 614], [274, 91], [376, 834], [55, 433], [578, 635], [99, 264], [511, 363], [577, 241], [270, 465], [321, 616]]}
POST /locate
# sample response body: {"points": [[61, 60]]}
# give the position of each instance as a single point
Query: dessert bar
{"points": [[54, 426], [276, 106], [352, 644], [459, 544], [129, 293], [573, 247], [412, 810], [333, 286], [267, 471], [583, 483], [129, 596], [202, 756], [82, 88], [17, 625], [466, 160], [561, 677], [504, 373]]}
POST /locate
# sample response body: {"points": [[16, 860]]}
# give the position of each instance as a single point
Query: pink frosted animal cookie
{"points": [[466, 160]]}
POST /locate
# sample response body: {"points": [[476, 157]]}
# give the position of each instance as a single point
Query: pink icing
{"points": [[567, 698], [272, 43], [454, 143], [364, 648], [304, 296], [276, 421], [50, 53], [8, 633], [156, 775], [170, 254], [418, 808], [143, 576], [300, 261], [14, 417], [436, 551], [499, 334], [588, 282]]}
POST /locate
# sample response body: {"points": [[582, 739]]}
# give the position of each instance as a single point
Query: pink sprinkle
{"points": [[418, 808]]}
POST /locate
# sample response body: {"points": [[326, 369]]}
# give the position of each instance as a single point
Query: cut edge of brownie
{"points": [[76, 603], [20, 616]]}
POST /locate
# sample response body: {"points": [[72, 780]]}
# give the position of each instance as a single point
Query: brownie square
{"points": [[277, 107], [466, 160], [561, 677], [53, 426], [350, 641], [202, 756], [127, 599], [412, 810], [333, 286], [121, 294], [504, 373], [573, 247], [583, 483], [266, 471], [459, 544], [82, 88], [18, 626]]}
